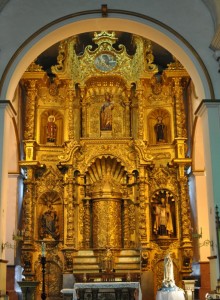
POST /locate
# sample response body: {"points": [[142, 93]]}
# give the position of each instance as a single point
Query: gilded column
{"points": [[83, 109], [187, 253], [142, 209], [148, 209], [139, 94], [70, 99], [87, 223], [28, 209], [126, 224], [185, 213], [28, 225], [70, 241], [180, 110], [84, 203], [127, 117], [31, 92]]}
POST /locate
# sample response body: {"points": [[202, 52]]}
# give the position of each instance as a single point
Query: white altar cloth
{"points": [[72, 292], [170, 295], [103, 285], [110, 285]]}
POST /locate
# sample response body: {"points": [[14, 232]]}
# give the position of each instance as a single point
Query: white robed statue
{"points": [[169, 290], [168, 279], [168, 283]]}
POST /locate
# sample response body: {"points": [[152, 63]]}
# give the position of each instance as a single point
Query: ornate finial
{"points": [[176, 65], [34, 67], [104, 37]]}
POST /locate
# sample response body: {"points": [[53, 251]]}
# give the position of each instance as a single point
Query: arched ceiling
{"points": [[170, 40]]}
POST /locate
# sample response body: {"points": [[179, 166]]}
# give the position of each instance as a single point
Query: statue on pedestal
{"points": [[168, 284], [169, 290], [168, 279]]}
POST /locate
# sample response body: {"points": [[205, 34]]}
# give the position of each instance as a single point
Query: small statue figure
{"points": [[51, 129], [106, 113], [160, 130], [107, 262], [163, 224]]}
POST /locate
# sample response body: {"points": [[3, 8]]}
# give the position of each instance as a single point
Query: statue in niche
{"points": [[106, 113], [51, 129], [107, 261], [163, 224], [49, 224], [160, 130]]}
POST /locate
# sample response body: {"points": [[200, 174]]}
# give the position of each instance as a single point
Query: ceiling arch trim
{"points": [[118, 20]]}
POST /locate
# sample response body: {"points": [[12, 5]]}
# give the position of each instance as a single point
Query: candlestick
{"points": [[43, 249], [43, 263]]}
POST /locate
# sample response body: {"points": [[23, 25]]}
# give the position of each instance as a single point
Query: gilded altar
{"points": [[105, 160]]}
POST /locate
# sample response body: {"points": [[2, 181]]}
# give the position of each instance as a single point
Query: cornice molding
{"points": [[206, 104]]}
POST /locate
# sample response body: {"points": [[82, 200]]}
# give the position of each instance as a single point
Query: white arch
{"points": [[148, 29]]}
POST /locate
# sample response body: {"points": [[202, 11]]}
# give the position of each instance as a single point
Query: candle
{"points": [[43, 249]]}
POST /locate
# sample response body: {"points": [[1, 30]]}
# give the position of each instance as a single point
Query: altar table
{"points": [[170, 295], [105, 290]]}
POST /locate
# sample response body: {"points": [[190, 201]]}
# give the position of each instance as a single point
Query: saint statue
{"points": [[107, 261], [163, 224], [49, 228], [51, 129], [106, 113], [160, 130]]}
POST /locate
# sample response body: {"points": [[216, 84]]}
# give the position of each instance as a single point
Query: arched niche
{"points": [[111, 212], [159, 126], [43, 126], [49, 217]]}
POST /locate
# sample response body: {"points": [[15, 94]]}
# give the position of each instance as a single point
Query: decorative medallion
{"points": [[105, 62]]}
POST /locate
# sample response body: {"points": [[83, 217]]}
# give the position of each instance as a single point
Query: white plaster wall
{"points": [[5, 123]]}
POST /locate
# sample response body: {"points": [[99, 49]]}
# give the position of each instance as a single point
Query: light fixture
{"points": [[16, 237], [197, 235]]}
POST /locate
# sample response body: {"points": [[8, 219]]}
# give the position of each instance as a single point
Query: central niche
{"points": [[107, 176]]}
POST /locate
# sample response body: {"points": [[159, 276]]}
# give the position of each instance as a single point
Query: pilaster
{"points": [[209, 113], [6, 113]]}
